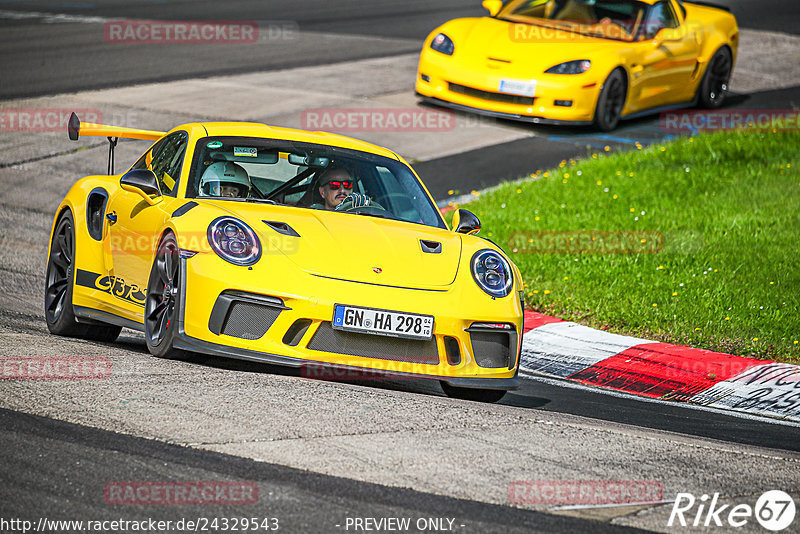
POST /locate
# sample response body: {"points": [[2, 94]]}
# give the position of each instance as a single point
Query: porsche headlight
{"points": [[442, 43], [571, 67], [492, 273], [234, 241]]}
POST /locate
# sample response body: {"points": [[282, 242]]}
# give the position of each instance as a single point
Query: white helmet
{"points": [[221, 174]]}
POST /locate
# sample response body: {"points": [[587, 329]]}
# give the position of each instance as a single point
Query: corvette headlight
{"points": [[442, 43], [492, 273], [571, 67], [234, 241]]}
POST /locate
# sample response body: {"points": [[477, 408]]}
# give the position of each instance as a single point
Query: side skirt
{"points": [[92, 316]]}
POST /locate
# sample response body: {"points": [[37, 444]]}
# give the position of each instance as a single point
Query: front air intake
{"points": [[373, 346], [244, 315], [494, 345]]}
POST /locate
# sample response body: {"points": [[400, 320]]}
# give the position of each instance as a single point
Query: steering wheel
{"points": [[402, 199]]}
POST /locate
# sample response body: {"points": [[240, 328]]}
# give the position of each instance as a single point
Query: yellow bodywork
{"points": [[664, 71], [333, 262]]}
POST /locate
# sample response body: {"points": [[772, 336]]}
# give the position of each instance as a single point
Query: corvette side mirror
{"points": [[666, 35], [465, 222], [492, 6], [143, 182]]}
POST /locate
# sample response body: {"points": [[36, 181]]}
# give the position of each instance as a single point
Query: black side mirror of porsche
{"points": [[465, 222], [143, 182]]}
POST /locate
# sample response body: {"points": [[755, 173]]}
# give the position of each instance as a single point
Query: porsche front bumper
{"points": [[476, 341]]}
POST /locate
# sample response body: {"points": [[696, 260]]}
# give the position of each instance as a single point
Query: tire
{"points": [[162, 304], [611, 101], [59, 283], [478, 395], [714, 87]]}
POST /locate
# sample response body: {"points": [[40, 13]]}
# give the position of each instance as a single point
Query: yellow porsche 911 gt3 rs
{"points": [[580, 61], [286, 247]]}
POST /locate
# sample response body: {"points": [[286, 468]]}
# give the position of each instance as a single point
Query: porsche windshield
{"points": [[309, 176], [621, 20]]}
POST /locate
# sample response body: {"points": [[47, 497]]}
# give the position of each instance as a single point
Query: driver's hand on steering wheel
{"points": [[356, 200], [353, 200]]}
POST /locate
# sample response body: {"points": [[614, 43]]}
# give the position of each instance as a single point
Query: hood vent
{"points": [[431, 247], [282, 228]]}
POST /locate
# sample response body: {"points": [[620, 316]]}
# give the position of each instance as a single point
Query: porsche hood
{"points": [[354, 247]]}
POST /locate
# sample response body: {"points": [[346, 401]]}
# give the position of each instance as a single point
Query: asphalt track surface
{"points": [[307, 502], [50, 57], [51, 465]]}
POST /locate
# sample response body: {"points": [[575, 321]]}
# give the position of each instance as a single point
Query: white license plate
{"points": [[382, 322], [518, 87]]}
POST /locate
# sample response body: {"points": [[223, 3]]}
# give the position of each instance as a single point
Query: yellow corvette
{"points": [[580, 61], [288, 247]]}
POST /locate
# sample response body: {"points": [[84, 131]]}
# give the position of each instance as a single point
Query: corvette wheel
{"points": [[58, 311], [714, 86], [610, 102], [479, 395], [162, 305]]}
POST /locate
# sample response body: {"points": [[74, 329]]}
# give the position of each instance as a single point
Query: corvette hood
{"points": [[356, 247], [518, 49]]}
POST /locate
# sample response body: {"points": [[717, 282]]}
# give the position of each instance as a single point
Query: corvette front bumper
{"points": [[558, 99]]}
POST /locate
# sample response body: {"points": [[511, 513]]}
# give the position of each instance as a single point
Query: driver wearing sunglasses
{"points": [[334, 187]]}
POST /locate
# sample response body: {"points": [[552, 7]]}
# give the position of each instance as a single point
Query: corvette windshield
{"points": [[608, 19], [250, 169]]}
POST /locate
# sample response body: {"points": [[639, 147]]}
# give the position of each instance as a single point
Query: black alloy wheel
{"points": [[714, 87], [162, 305], [58, 310], [611, 101]]}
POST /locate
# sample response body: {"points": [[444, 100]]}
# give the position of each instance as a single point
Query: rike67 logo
{"points": [[774, 510]]}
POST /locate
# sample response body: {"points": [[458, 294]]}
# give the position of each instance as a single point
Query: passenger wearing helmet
{"points": [[225, 179]]}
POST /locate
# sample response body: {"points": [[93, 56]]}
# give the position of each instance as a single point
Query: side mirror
{"points": [[143, 182], [465, 222], [666, 35], [492, 6]]}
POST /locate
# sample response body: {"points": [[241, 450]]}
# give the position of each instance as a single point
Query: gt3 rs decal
{"points": [[112, 285]]}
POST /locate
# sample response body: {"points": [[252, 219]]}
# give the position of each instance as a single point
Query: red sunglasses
{"points": [[337, 184]]}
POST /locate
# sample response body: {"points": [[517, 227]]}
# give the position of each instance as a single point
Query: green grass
{"points": [[720, 267]]}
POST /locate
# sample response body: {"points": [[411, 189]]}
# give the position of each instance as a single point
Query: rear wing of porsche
{"points": [[75, 129]]}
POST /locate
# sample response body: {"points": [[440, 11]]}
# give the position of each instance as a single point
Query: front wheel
{"points": [[714, 87], [478, 395], [610, 102], [58, 310], [162, 305]]}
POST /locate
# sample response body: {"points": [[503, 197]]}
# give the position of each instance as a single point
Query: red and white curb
{"points": [[565, 350]]}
